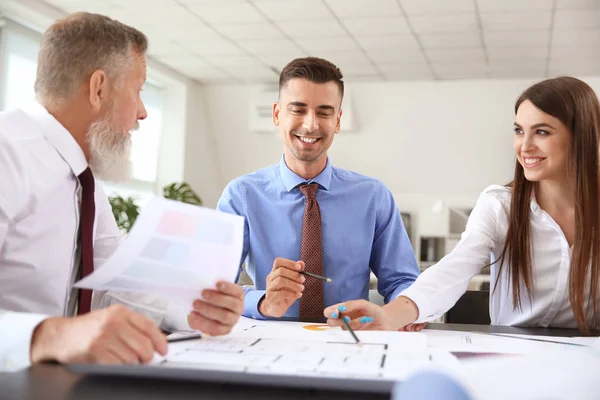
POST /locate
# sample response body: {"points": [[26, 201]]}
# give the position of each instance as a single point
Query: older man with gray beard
{"points": [[56, 223]]}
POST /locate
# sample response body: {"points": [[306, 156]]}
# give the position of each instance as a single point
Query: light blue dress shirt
{"points": [[361, 231]]}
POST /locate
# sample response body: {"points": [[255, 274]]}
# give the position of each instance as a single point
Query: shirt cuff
{"points": [[15, 346], [152, 307], [422, 302], [251, 301], [398, 292]]}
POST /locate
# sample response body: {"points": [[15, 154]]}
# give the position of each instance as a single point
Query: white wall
{"points": [[202, 169], [435, 140]]}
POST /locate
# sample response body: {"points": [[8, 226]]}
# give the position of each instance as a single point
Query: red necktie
{"points": [[311, 252], [86, 234]]}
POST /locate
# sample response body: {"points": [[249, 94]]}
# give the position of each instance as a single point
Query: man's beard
{"points": [[110, 150]]}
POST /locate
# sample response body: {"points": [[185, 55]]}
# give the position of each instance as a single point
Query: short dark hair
{"points": [[314, 69]]}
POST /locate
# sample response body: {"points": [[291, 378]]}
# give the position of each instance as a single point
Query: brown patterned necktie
{"points": [[86, 234], [311, 252]]}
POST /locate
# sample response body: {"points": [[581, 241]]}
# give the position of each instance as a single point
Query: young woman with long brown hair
{"points": [[540, 233]]}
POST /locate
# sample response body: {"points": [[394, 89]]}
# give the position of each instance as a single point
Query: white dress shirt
{"points": [[40, 200], [439, 287]]}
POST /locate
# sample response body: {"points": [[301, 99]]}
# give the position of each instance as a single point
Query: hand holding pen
{"points": [[285, 285], [357, 315], [398, 315]]}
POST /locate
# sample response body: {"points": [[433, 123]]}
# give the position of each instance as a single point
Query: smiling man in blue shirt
{"points": [[347, 227]]}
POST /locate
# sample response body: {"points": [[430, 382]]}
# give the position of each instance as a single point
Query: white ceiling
{"points": [[225, 41]]}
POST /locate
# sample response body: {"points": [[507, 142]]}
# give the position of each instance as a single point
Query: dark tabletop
{"points": [[52, 381]]}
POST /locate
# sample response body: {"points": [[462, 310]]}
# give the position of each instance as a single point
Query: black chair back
{"points": [[472, 308]]}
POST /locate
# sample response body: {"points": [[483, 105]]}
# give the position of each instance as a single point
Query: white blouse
{"points": [[439, 287]]}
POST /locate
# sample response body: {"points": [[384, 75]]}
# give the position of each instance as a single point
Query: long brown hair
{"points": [[576, 105]]}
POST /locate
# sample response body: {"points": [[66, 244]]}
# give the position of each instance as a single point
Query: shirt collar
{"points": [[535, 207], [292, 180], [58, 136]]}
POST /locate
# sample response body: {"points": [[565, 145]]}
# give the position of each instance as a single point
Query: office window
{"points": [[146, 140], [18, 48]]}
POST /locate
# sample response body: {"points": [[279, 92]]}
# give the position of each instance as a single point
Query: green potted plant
{"points": [[181, 192], [126, 211]]}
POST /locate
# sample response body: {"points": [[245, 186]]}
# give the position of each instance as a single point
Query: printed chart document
{"points": [[298, 354], [174, 250], [287, 348], [470, 344], [296, 348]]}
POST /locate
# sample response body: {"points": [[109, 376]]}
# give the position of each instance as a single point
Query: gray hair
{"points": [[76, 46]]}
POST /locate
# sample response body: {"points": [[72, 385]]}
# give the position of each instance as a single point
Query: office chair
{"points": [[472, 308]]}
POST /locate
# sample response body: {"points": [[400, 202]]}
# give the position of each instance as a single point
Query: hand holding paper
{"points": [[219, 310], [180, 251]]}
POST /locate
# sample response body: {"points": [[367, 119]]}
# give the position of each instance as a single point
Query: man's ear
{"points": [[339, 119], [98, 89], [276, 109]]}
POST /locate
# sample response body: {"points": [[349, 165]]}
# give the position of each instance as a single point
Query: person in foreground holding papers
{"points": [[56, 223], [541, 230], [304, 214]]}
